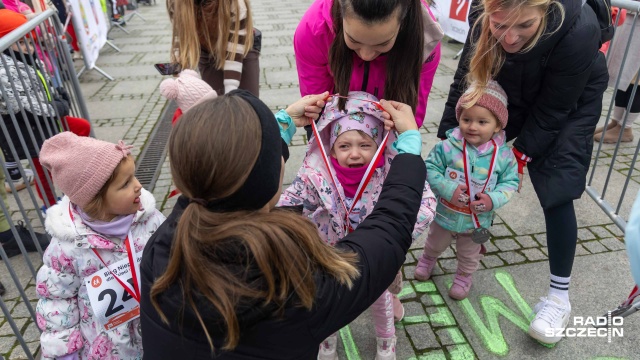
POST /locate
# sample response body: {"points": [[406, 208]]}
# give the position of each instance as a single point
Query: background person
{"points": [[217, 37], [388, 48], [544, 53]]}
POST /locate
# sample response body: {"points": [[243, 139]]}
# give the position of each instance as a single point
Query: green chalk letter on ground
{"points": [[491, 334]]}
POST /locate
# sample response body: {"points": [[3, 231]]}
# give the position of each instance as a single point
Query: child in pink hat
{"points": [[477, 147], [339, 157], [88, 284]]}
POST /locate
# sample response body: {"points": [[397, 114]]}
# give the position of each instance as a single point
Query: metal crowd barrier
{"points": [[618, 160], [39, 74]]}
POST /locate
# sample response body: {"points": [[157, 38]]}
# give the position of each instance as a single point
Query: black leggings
{"points": [[623, 98], [562, 235]]}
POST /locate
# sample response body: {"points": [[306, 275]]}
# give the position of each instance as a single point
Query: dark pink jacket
{"points": [[312, 41]]}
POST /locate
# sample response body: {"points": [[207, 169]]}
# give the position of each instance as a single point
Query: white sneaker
{"points": [[551, 313], [329, 348], [386, 349], [20, 183]]}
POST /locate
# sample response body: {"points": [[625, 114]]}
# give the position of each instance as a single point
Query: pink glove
{"points": [[460, 197], [482, 204]]}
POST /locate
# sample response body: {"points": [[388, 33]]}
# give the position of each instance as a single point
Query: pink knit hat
{"points": [[361, 121], [493, 99], [187, 90], [80, 166]]}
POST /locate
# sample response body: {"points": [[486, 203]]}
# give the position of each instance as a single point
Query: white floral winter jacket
{"points": [[64, 311], [320, 198]]}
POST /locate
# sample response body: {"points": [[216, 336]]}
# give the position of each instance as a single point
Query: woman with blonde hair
{"points": [[217, 36], [544, 53], [228, 276]]}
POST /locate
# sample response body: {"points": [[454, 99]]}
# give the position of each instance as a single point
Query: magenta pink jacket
{"points": [[311, 44]]}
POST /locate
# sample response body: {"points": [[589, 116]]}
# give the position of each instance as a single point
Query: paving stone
{"points": [[533, 254], [585, 234], [448, 265], [600, 231], [527, 241], [32, 333], [613, 244], [594, 246], [413, 308], [506, 244], [500, 230], [541, 238], [580, 250], [432, 300], [512, 257], [450, 336], [407, 271], [7, 343], [491, 248], [448, 253], [422, 336], [409, 259], [6, 328], [491, 261], [545, 250], [615, 230], [19, 354]]}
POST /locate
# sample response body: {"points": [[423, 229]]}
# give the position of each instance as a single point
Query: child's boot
{"points": [[386, 348], [424, 268], [329, 348], [461, 286], [398, 309]]}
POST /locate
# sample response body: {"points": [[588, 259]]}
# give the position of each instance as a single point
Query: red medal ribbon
{"points": [[363, 183], [467, 176], [135, 292]]}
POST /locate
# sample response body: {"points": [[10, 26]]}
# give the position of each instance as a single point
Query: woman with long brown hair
{"points": [[217, 36], [388, 48], [544, 53], [228, 276]]}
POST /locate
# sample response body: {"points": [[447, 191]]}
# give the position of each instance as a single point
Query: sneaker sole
{"points": [[544, 339]]}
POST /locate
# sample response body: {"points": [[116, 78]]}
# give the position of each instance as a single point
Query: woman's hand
{"points": [[306, 109], [399, 116]]}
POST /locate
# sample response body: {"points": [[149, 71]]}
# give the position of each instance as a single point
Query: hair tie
{"points": [[198, 201]]}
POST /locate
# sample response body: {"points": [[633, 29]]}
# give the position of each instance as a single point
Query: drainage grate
{"points": [[153, 155]]}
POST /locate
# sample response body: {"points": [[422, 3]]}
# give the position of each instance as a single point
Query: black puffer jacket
{"points": [[555, 100], [381, 242]]}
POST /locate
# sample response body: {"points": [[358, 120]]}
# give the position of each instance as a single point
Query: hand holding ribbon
{"points": [[522, 160]]}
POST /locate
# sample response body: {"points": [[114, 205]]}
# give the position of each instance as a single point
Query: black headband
{"points": [[264, 180]]}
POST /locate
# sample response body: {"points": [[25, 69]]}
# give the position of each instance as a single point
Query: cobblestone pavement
{"points": [[490, 324]]}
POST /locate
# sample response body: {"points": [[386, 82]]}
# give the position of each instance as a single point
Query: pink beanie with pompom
{"points": [[188, 89], [80, 166]]}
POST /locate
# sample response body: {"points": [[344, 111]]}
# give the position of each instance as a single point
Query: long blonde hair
{"points": [[214, 252], [204, 25], [488, 55]]}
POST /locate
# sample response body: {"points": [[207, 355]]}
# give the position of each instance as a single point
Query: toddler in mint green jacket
{"points": [[476, 150]]}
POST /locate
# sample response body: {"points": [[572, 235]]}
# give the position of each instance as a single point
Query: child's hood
{"points": [[455, 137], [359, 103], [58, 223]]}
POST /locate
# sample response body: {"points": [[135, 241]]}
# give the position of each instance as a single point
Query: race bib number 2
{"points": [[112, 305]]}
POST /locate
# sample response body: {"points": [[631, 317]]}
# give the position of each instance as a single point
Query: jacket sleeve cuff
{"points": [[288, 133], [409, 142]]}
